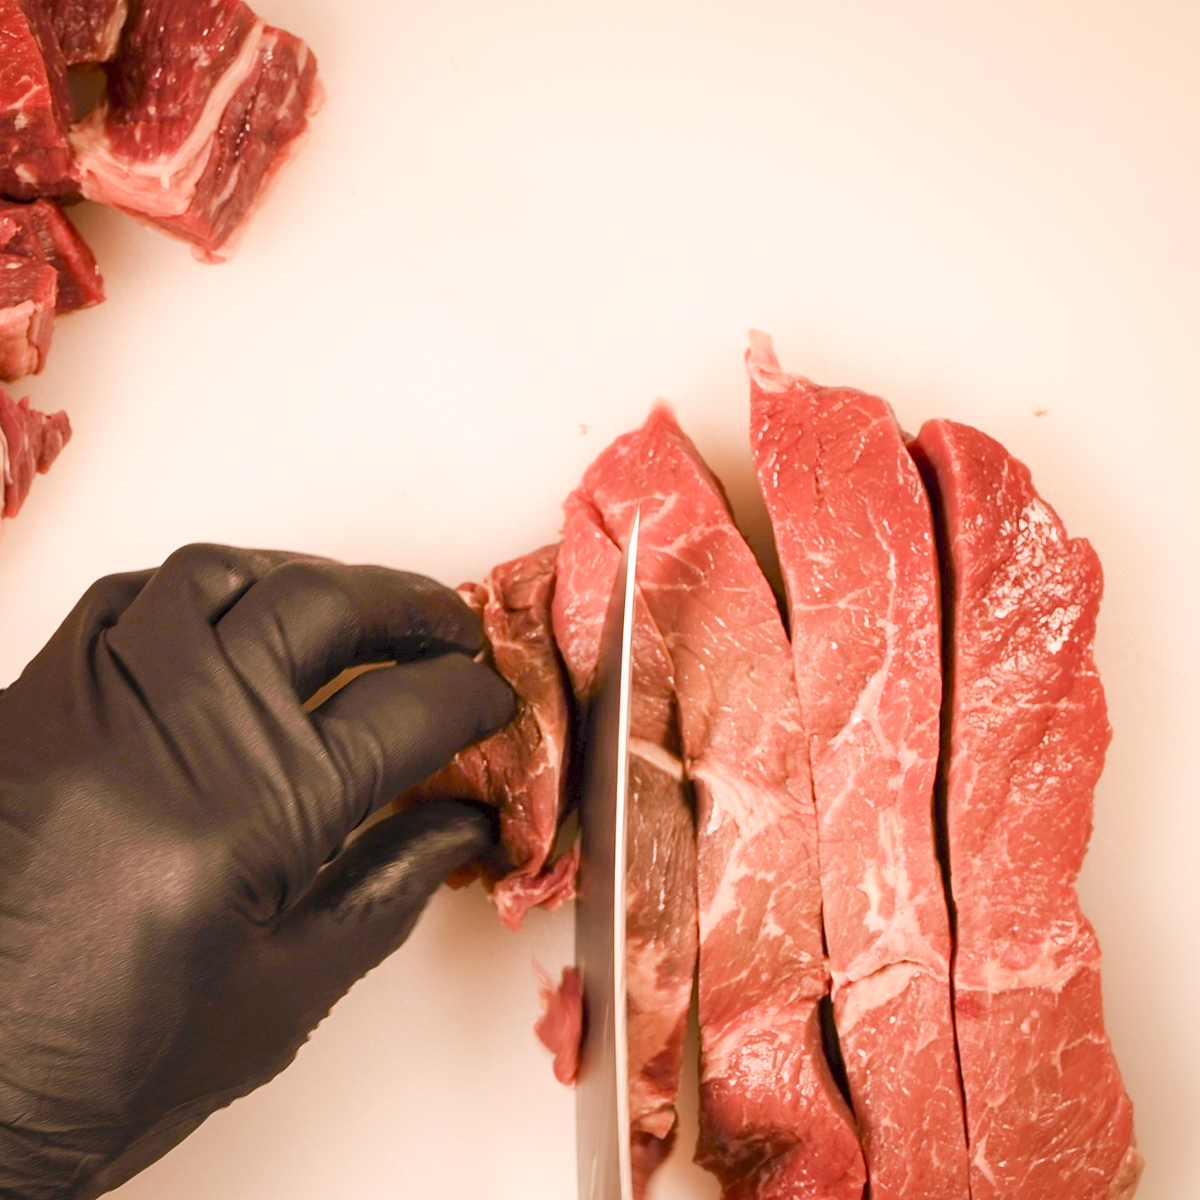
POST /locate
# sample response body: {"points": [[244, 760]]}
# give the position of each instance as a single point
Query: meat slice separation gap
{"points": [[1026, 730], [854, 536]]}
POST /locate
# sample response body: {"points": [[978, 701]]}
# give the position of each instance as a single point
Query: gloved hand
{"points": [[169, 935]]}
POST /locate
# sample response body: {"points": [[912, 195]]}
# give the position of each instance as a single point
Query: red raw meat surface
{"points": [[773, 1124], [660, 923], [520, 769], [561, 1024], [42, 231], [855, 540], [29, 442], [35, 105], [239, 94], [1047, 1115], [88, 31], [28, 290]]}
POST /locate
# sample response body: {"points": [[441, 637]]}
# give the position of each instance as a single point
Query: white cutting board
{"points": [[517, 224]]}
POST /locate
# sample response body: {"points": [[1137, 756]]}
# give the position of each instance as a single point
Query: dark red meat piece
{"points": [[88, 31], [28, 290], [855, 540], [35, 105], [520, 769], [29, 442], [205, 104], [1047, 1115], [42, 231]]}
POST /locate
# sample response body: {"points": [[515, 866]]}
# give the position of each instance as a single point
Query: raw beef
{"points": [[35, 105], [28, 290], [41, 231], [88, 31], [855, 541], [520, 769], [29, 442], [560, 1027], [660, 925], [1047, 1115], [205, 104], [773, 1124]]}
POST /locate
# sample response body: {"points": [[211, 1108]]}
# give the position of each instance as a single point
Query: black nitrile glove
{"points": [[168, 935]]}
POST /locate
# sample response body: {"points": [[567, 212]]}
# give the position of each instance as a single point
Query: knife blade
{"points": [[602, 1091]]}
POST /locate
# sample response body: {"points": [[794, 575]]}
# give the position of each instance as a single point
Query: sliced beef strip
{"points": [[30, 441], [1047, 1115], [42, 231], [854, 536], [773, 1124], [35, 105], [660, 931], [521, 768], [28, 290], [205, 104], [88, 31]]}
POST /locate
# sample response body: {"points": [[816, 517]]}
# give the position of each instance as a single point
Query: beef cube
{"points": [[28, 290], [29, 442], [205, 105], [1047, 1115], [42, 231], [88, 31], [855, 540], [35, 105]]}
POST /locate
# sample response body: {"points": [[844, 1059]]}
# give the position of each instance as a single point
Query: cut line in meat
{"points": [[1026, 731], [241, 118], [855, 541]]}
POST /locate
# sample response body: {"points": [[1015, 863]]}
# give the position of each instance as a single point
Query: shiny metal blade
{"points": [[602, 1093]]}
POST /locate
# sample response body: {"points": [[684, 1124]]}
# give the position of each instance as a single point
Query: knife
{"points": [[602, 1090]]}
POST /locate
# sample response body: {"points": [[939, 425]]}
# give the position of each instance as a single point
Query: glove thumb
{"points": [[361, 907]]}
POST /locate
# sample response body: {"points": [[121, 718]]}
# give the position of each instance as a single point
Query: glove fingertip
{"points": [[390, 871]]}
